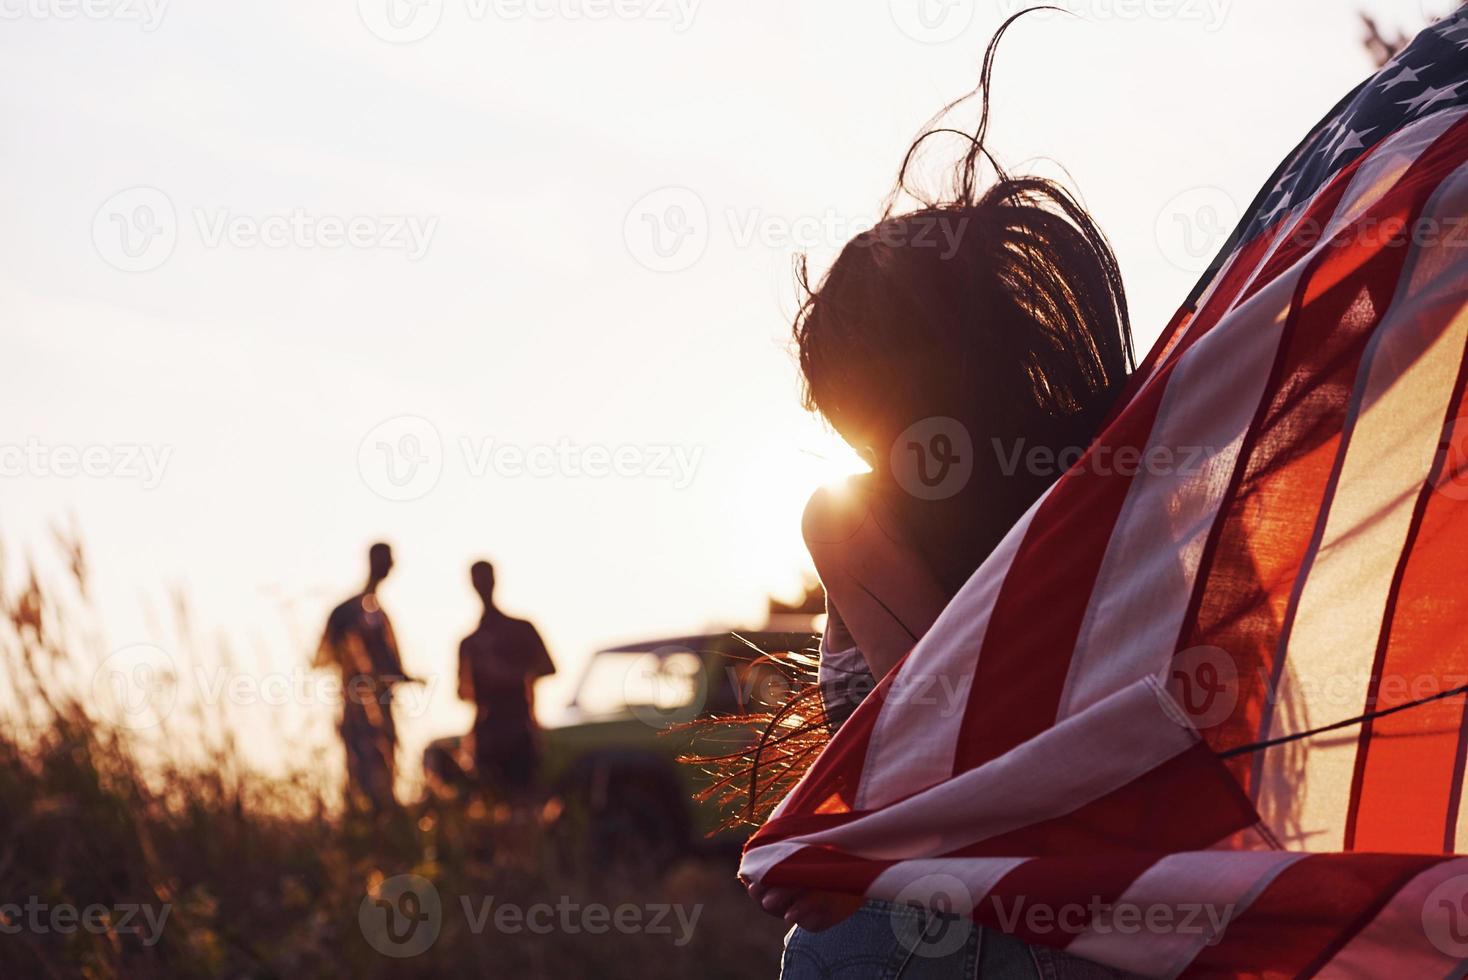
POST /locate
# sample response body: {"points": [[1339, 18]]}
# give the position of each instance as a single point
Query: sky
{"points": [[512, 279]]}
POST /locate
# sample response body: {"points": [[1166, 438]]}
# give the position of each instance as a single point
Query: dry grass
{"points": [[262, 877]]}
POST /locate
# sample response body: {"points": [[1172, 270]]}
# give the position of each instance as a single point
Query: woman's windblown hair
{"points": [[996, 302]]}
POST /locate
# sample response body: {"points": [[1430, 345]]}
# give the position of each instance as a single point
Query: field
{"points": [[120, 859]]}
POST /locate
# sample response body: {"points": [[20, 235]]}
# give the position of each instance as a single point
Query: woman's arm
{"points": [[886, 595]]}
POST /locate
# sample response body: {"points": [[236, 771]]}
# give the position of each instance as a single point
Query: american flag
{"points": [[1102, 745]]}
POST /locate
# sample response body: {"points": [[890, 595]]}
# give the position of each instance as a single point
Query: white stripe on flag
{"points": [[1190, 896], [1079, 760], [912, 745], [930, 881], [1422, 932], [757, 861]]}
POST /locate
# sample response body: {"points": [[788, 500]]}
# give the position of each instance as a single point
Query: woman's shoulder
{"points": [[854, 514], [835, 513]]}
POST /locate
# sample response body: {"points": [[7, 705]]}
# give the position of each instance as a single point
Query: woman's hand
{"points": [[812, 911]]}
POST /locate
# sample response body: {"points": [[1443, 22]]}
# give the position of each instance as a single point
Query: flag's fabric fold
{"points": [[1268, 537]]}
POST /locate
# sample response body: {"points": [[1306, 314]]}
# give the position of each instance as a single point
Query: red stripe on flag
{"points": [[822, 869], [1190, 802], [1051, 901], [1306, 914]]}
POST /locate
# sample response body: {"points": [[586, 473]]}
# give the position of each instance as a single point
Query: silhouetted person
{"points": [[499, 664], [359, 640]]}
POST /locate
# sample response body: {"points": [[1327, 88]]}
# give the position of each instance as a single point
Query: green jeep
{"points": [[610, 772]]}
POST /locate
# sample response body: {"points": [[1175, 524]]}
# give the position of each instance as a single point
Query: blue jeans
{"points": [[883, 941]]}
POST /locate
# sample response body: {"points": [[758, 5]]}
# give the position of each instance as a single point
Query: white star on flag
{"points": [[1400, 78], [1453, 25], [1429, 97], [1352, 141], [1279, 207]]}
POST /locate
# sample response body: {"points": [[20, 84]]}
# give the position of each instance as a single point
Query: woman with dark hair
{"points": [[945, 345]]}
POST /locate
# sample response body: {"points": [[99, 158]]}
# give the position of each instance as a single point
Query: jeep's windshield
{"points": [[678, 682], [615, 680]]}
